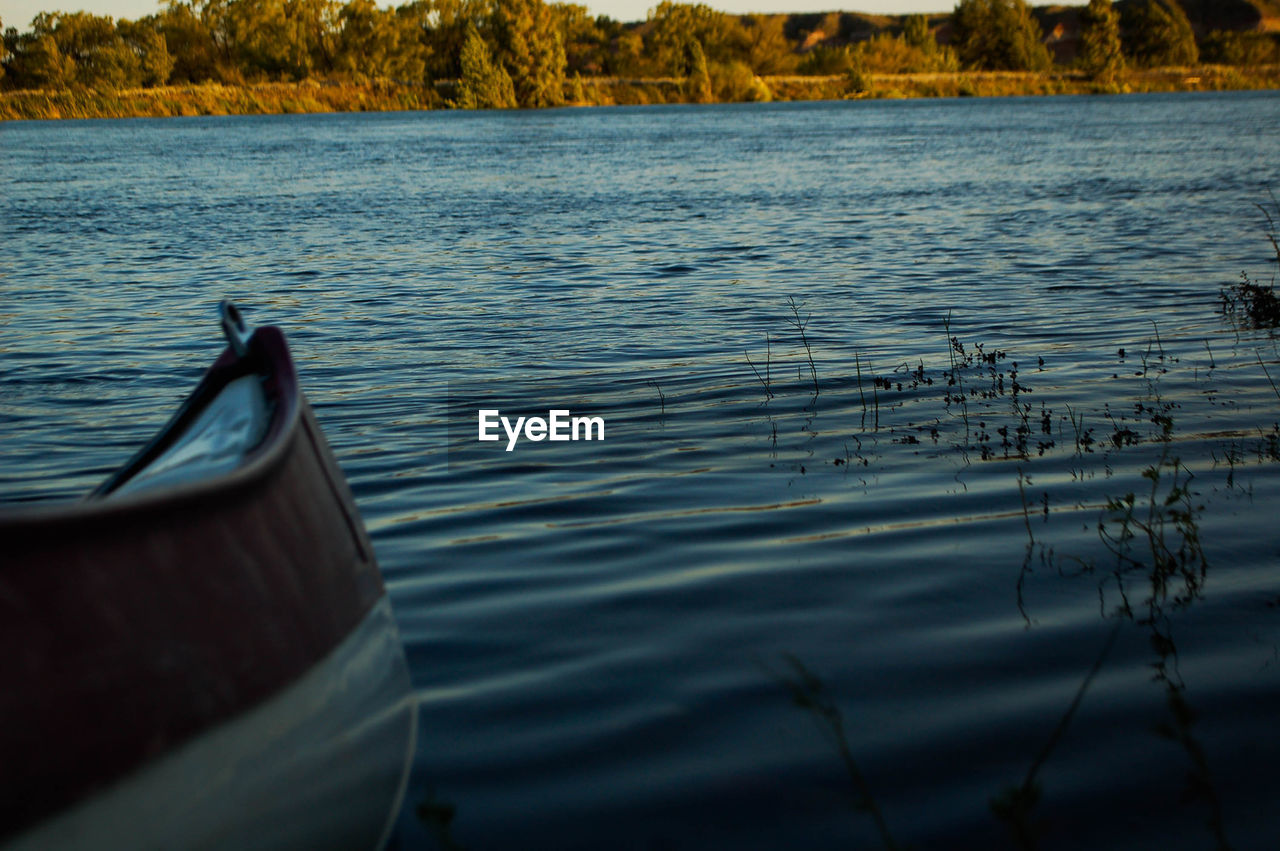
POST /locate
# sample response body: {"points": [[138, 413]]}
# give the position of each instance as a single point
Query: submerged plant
{"points": [[810, 694], [438, 815], [1014, 805], [1158, 535]]}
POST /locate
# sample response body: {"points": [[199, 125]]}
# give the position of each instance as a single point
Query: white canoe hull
{"points": [[321, 765]]}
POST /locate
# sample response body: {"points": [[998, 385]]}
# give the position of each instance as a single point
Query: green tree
{"points": [[257, 38], [697, 83], [1101, 54], [38, 63], [824, 61], [444, 26], [190, 43], [916, 33], [627, 56], [675, 25], [1236, 48], [583, 39], [155, 63], [530, 47], [282, 39], [998, 35], [313, 31], [378, 43], [890, 54], [767, 48], [484, 84], [78, 49], [857, 78], [1157, 32], [735, 82]]}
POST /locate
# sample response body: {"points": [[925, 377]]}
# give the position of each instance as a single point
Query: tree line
{"points": [[530, 53]]}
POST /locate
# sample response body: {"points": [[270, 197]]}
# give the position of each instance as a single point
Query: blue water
{"points": [[606, 637]]}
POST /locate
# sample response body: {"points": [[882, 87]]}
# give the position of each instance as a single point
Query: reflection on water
{"points": [[934, 399]]}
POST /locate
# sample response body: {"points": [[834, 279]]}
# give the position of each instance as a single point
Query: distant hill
{"points": [[1233, 15], [1061, 24]]}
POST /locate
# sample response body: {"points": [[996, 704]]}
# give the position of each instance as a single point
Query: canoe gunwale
{"points": [[131, 624], [269, 359]]}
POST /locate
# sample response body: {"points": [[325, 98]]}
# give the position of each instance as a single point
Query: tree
{"points": [[917, 34], [998, 35], [155, 63], [378, 43], [312, 29], [442, 29], [1157, 32], [38, 63], [697, 83], [583, 39], [626, 55], [258, 37], [190, 43], [1241, 48], [1101, 55], [81, 49], [288, 39], [484, 84], [531, 49], [675, 25], [890, 54], [767, 48]]}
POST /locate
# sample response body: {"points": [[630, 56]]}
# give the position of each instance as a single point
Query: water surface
{"points": [[605, 637]]}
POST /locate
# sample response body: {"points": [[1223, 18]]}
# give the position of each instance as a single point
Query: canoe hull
{"points": [[133, 626], [321, 765]]}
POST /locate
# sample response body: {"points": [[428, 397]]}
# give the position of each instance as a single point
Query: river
{"points": [[932, 469]]}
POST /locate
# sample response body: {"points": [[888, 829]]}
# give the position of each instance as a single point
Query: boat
{"points": [[201, 654]]}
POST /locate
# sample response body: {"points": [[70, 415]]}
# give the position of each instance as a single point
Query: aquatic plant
{"points": [[1252, 304], [1014, 805], [1147, 553], [768, 356], [800, 325], [662, 398], [1158, 535], [438, 815], [810, 694]]}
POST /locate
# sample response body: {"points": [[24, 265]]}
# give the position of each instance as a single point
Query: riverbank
{"points": [[383, 96]]}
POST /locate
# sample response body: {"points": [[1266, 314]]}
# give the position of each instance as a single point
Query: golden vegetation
{"points": [[202, 57], [283, 98]]}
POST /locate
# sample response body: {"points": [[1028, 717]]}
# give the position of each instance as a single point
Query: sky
{"points": [[18, 13]]}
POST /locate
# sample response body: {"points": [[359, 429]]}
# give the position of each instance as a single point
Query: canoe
{"points": [[201, 653]]}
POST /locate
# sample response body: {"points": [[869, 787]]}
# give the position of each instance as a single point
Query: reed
{"points": [[218, 99], [800, 325], [857, 364], [765, 379], [662, 399], [1145, 548]]}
